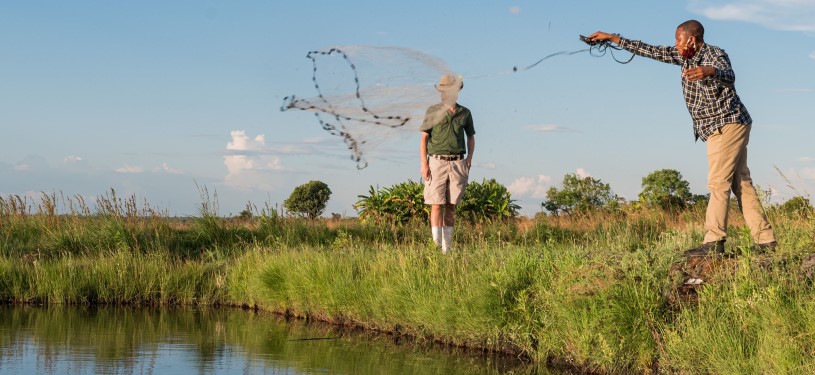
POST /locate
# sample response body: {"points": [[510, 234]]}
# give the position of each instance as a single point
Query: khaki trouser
{"points": [[727, 170]]}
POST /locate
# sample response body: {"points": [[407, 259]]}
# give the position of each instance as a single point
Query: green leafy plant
{"points": [[396, 205], [487, 201], [401, 203]]}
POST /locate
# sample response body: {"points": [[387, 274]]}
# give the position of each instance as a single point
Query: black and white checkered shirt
{"points": [[712, 101]]}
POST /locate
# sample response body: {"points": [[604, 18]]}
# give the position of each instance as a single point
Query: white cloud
{"points": [[32, 163], [247, 164], [582, 173], [515, 10], [242, 143], [551, 128], [812, 55], [130, 169], [487, 166], [806, 159], [787, 15], [534, 187], [72, 159], [167, 169]]}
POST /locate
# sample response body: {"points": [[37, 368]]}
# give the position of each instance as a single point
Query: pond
{"points": [[121, 340]]}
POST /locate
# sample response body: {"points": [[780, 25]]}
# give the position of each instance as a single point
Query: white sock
{"points": [[437, 235], [446, 238]]}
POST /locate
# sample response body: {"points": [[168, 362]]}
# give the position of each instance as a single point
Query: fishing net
{"points": [[371, 95]]}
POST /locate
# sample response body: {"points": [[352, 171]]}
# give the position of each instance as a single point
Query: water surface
{"points": [[120, 340]]}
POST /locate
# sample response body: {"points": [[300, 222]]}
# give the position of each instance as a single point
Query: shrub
{"points": [[399, 204], [308, 200], [797, 207], [487, 201], [580, 195], [396, 205]]}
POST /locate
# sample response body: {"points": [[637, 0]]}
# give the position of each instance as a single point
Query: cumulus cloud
{"points": [[248, 163], [551, 128], [534, 187], [787, 15], [515, 10], [582, 173]]}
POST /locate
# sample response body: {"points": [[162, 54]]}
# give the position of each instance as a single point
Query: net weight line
{"points": [[339, 129]]}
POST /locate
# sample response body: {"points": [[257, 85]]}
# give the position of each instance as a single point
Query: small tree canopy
{"points": [[666, 189], [308, 200], [579, 195]]}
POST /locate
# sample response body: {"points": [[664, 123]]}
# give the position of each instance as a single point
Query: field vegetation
{"points": [[593, 291]]}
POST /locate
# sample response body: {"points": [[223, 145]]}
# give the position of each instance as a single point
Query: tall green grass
{"points": [[590, 292]]}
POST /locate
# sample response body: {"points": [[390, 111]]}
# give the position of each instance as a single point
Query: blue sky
{"points": [[156, 98]]}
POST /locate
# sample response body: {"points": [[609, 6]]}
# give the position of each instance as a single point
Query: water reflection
{"points": [[114, 340]]}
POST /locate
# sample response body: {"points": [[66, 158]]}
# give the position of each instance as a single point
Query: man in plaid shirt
{"points": [[721, 120]]}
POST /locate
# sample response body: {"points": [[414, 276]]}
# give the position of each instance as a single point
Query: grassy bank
{"points": [[590, 292]]}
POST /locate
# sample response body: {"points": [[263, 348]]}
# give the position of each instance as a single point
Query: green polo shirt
{"points": [[447, 129]]}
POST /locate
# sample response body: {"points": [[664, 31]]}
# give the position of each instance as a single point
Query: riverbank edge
{"points": [[612, 292]]}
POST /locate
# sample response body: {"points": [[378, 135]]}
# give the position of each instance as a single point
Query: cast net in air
{"points": [[370, 95]]}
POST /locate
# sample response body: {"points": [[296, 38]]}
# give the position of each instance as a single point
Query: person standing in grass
{"points": [[721, 120], [445, 158]]}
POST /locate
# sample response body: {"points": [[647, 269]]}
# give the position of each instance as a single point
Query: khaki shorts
{"points": [[448, 179]]}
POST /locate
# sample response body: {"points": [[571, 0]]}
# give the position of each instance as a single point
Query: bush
{"points": [[797, 207], [396, 205], [486, 201], [308, 200], [399, 204], [580, 195]]}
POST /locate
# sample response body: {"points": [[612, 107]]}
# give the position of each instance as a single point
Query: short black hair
{"points": [[693, 28]]}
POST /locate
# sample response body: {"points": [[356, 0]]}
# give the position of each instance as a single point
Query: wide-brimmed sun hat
{"points": [[450, 81]]}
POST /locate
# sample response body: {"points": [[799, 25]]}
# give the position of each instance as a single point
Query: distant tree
{"points": [[666, 189], [308, 200], [580, 195], [799, 206], [245, 214], [699, 200]]}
